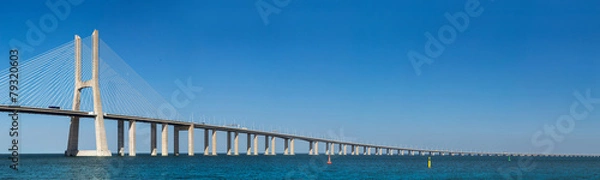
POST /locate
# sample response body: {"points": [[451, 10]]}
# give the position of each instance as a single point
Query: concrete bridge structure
{"points": [[210, 131]]}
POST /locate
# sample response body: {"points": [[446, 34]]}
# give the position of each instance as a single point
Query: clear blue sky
{"points": [[321, 66]]}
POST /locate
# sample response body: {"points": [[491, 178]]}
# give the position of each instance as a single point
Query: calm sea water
{"points": [[296, 167]]}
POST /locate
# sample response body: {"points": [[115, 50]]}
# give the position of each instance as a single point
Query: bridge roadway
{"points": [[379, 148]]}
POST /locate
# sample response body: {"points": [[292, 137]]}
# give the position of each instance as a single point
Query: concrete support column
{"points": [[364, 150], [229, 143], [332, 147], [236, 136], [311, 148], [286, 146], [273, 145], [164, 145], [292, 147], [266, 145], [214, 142], [327, 148], [345, 145], [191, 140], [120, 138], [131, 138], [248, 144], [340, 149], [176, 140], [368, 150], [93, 83], [153, 139], [255, 144], [355, 150], [316, 148], [206, 152]]}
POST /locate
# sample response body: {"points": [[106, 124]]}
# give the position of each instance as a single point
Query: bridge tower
{"points": [[73, 142]]}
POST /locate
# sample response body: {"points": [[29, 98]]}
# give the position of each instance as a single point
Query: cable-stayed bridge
{"points": [[75, 76]]}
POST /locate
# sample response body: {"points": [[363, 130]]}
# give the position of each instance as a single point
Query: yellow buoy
{"points": [[429, 162]]}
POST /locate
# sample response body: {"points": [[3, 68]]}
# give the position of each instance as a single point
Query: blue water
{"points": [[298, 167]]}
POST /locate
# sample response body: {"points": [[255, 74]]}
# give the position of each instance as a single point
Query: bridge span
{"points": [[210, 131], [233, 133]]}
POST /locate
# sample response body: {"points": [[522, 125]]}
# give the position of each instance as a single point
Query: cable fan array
{"points": [[48, 79]]}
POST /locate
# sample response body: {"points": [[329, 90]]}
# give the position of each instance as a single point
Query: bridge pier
{"points": [[310, 148], [340, 150], [73, 139], [316, 148], [131, 138], [165, 146], [190, 130], [236, 136], [206, 142], [292, 147], [255, 144], [175, 140], [286, 146], [266, 145], [153, 139], [327, 148], [214, 142], [345, 145], [120, 138], [248, 144], [273, 146], [229, 143], [191, 140], [332, 147]]}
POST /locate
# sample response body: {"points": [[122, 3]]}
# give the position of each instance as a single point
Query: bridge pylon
{"points": [[73, 141]]}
